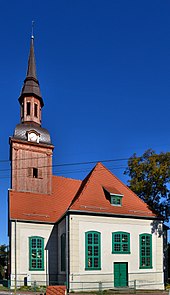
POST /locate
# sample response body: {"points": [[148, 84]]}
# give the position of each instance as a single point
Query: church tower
{"points": [[31, 147]]}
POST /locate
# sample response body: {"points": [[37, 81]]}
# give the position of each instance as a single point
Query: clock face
{"points": [[33, 137]]}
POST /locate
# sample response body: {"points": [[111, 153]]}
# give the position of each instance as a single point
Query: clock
{"points": [[33, 136]]}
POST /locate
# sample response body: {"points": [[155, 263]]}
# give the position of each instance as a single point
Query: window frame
{"points": [[87, 256], [31, 170], [146, 235], [36, 258], [116, 197], [121, 243]]}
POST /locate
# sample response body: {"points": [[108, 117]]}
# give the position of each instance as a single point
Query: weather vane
{"points": [[32, 34]]}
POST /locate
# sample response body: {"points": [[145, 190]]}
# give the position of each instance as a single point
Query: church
{"points": [[89, 234]]}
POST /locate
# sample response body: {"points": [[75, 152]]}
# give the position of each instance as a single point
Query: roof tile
{"points": [[75, 195]]}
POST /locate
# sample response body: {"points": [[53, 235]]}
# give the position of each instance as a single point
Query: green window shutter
{"points": [[145, 244], [36, 253], [63, 252], [120, 243], [92, 250]]}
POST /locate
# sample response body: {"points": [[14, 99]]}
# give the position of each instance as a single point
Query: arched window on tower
{"points": [[28, 108], [22, 110], [35, 110]]}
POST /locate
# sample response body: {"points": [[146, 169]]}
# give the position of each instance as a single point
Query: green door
{"points": [[120, 274]]}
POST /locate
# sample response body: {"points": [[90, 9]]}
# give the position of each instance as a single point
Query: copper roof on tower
{"points": [[31, 85]]}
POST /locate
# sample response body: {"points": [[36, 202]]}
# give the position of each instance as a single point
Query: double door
{"points": [[120, 274]]}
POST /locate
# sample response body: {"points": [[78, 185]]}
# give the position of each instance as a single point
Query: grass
{"points": [[2, 288]]}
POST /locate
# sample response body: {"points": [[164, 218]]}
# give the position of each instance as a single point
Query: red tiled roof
{"points": [[42, 207], [112, 190], [91, 197], [87, 196]]}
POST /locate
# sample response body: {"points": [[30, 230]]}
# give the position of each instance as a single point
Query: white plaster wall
{"points": [[23, 232], [79, 224]]}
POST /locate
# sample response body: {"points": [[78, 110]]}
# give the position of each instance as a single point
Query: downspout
{"points": [[15, 256], [67, 252]]}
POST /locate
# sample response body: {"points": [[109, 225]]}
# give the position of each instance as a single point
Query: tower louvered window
{"points": [[35, 110], [28, 108]]}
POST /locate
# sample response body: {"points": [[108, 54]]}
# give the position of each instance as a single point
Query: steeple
{"points": [[31, 147], [31, 85], [30, 99]]}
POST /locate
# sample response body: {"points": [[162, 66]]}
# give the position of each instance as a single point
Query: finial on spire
{"points": [[32, 32]]}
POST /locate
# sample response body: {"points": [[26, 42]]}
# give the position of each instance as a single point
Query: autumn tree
{"points": [[150, 179]]}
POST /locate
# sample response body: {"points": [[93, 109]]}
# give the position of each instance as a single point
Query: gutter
{"points": [[113, 215], [67, 252]]}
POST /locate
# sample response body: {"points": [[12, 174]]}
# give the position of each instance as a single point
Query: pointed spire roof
{"points": [[31, 85]]}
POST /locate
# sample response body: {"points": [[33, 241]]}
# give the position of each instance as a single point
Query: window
{"points": [[116, 200], [113, 196], [36, 253], [22, 110], [145, 242], [92, 250], [35, 110], [63, 252], [35, 173], [120, 243], [28, 108]]}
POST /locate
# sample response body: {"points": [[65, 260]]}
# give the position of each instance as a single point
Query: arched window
{"points": [[145, 244], [92, 250], [63, 252], [120, 243], [36, 253], [28, 108]]}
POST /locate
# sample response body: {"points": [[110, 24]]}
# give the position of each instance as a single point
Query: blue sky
{"points": [[104, 72]]}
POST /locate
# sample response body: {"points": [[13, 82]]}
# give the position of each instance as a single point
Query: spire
{"points": [[31, 85], [31, 71]]}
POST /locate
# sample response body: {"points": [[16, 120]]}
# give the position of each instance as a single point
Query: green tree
{"points": [[3, 260], [150, 179]]}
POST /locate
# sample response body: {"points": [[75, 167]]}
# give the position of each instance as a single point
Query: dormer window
{"points": [[113, 196], [116, 200]]}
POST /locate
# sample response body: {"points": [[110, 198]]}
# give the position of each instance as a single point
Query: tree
{"points": [[150, 179], [3, 260]]}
